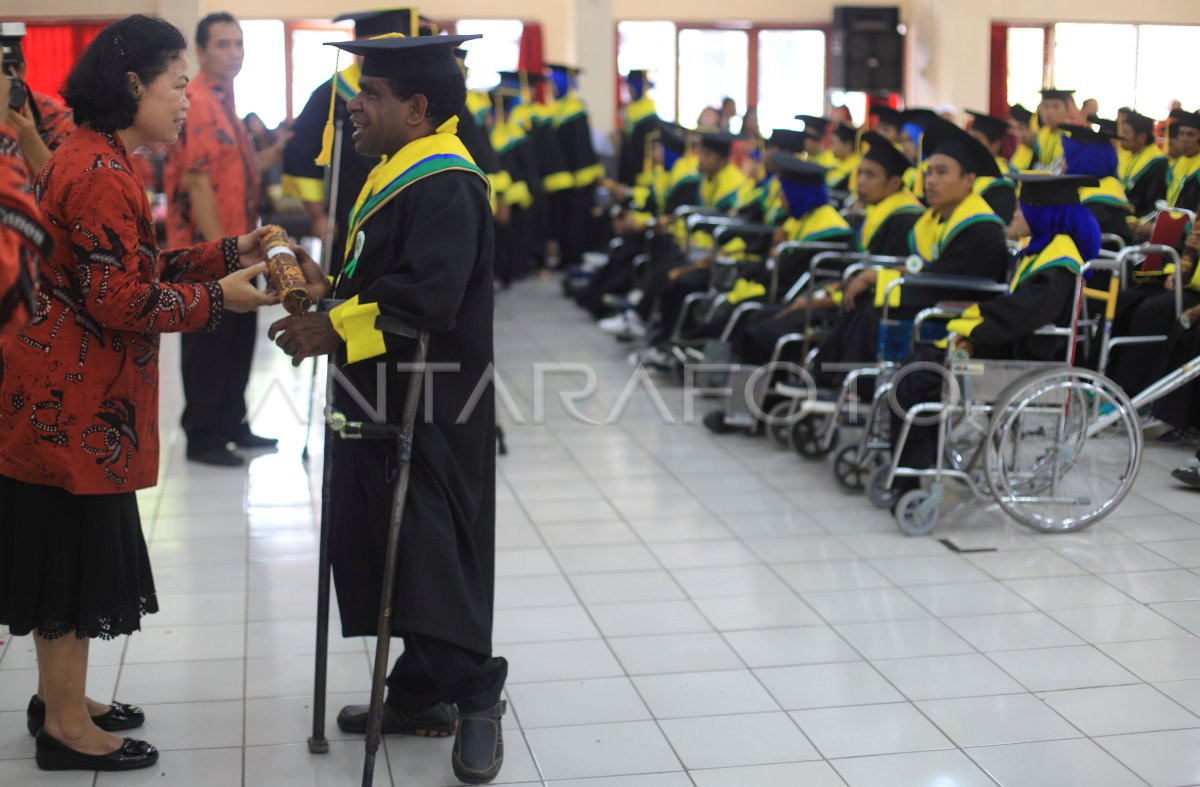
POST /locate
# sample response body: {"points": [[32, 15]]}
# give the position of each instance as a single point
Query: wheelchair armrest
{"points": [[726, 232], [799, 245], [1111, 241], [700, 222], [739, 311], [683, 211], [942, 282]]}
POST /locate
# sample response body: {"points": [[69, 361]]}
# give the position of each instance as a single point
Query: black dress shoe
{"points": [[54, 755], [715, 423], [436, 722], [479, 746], [251, 440], [119, 717], [218, 457]]}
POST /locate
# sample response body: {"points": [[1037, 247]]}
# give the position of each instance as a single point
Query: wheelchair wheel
{"points": [[913, 516], [1053, 463], [779, 430], [880, 495], [806, 437], [853, 474]]}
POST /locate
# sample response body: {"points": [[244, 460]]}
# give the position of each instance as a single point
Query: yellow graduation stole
{"points": [[1109, 192], [903, 201], [1178, 175], [843, 169], [822, 223], [930, 235], [441, 151], [635, 113], [726, 190], [478, 104], [1048, 148], [1022, 158], [1061, 252], [568, 108], [1135, 165]]}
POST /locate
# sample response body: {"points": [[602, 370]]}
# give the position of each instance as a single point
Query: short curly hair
{"points": [[98, 89], [445, 95]]}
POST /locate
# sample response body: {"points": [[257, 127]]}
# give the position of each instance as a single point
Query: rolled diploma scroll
{"points": [[283, 272]]}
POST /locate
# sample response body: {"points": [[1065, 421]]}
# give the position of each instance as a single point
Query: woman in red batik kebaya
{"points": [[79, 388]]}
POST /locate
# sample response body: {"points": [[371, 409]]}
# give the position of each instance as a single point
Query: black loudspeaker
{"points": [[867, 49]]}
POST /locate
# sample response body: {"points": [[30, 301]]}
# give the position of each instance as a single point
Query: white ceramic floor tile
{"points": [[991, 721], [902, 639], [1050, 593], [1128, 623], [602, 750], [1161, 758], [1156, 661], [838, 575], [191, 768], [748, 739], [1013, 631], [1054, 669], [609, 588], [648, 617], [735, 613], [193, 725], [788, 646], [704, 694], [294, 765], [187, 643], [810, 774], [730, 581], [897, 728], [946, 677], [1150, 587], [574, 659], [595, 559], [1120, 710], [1054, 764], [563, 703], [277, 721], [918, 769], [182, 681], [865, 606], [542, 625], [934, 570], [1025, 565], [665, 653], [827, 685]]}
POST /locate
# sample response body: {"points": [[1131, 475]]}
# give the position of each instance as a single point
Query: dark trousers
{"points": [[1136, 366], [432, 670], [216, 370]]}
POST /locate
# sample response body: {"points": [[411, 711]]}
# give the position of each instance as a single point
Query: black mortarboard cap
{"points": [[845, 133], [406, 21], [1186, 119], [639, 73], [795, 170], [885, 153], [1139, 123], [1054, 93], [1089, 135], [1020, 113], [572, 70], [892, 117], [993, 128], [787, 139], [717, 141], [397, 57], [1039, 188], [672, 136], [921, 117], [814, 127], [514, 78], [942, 136]]}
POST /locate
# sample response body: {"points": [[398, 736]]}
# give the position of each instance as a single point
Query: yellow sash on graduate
{"points": [[1048, 149], [822, 223], [441, 151], [1178, 175], [1135, 166], [842, 170], [903, 201], [727, 190], [930, 235], [1109, 192], [479, 104], [636, 113], [1022, 158]]}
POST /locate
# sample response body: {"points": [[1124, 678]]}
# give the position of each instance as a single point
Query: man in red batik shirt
{"points": [[212, 186]]}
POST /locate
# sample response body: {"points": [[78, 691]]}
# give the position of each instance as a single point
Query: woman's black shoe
{"points": [[54, 755], [118, 718]]}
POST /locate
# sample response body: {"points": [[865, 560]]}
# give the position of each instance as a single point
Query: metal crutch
{"points": [[317, 743], [403, 437]]}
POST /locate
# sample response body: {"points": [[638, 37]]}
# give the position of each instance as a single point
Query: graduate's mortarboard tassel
{"points": [[648, 152], [326, 155]]}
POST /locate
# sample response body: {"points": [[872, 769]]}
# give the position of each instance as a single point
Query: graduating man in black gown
{"points": [[419, 257]]}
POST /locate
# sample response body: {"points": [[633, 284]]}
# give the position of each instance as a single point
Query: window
{"points": [[1026, 56], [256, 88], [313, 62], [498, 50], [650, 46], [1097, 61], [791, 77], [713, 65], [1165, 69]]}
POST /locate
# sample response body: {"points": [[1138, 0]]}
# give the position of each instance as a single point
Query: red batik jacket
{"points": [[24, 239], [79, 391]]}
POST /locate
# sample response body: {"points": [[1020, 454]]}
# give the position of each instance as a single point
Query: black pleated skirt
{"points": [[72, 564]]}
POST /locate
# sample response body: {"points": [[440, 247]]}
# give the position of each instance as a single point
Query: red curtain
{"points": [[51, 48], [998, 72], [532, 56]]}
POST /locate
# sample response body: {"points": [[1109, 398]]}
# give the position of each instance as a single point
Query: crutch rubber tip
{"points": [[318, 746]]}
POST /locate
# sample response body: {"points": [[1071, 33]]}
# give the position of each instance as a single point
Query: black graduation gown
{"points": [[427, 262], [1111, 220], [1148, 189], [1002, 198], [475, 140], [891, 239], [632, 159], [549, 160], [573, 215], [1189, 198], [304, 146], [979, 250]]}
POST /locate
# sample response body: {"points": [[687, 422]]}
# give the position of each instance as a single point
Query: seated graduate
{"points": [[815, 152], [843, 144], [888, 122], [724, 187], [1000, 193], [1053, 112], [1089, 152], [1062, 235], [915, 121], [959, 235], [674, 183], [1144, 172], [1020, 125], [1183, 179]]}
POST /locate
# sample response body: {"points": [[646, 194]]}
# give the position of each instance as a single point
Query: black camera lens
{"points": [[19, 94]]}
